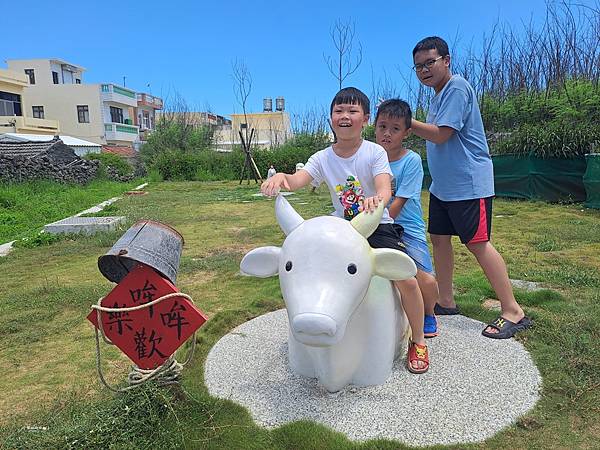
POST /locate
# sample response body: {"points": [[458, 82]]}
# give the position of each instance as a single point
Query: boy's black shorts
{"points": [[387, 235], [471, 220]]}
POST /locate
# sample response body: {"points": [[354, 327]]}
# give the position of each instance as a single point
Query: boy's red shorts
{"points": [[471, 220]]}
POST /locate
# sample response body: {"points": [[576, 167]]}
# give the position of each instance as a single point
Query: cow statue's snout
{"points": [[346, 320], [314, 324]]}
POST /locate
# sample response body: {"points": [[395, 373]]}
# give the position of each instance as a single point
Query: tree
{"points": [[242, 86], [346, 60]]}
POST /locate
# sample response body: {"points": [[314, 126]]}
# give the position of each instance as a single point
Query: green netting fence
{"points": [[549, 179], [591, 181], [530, 177]]}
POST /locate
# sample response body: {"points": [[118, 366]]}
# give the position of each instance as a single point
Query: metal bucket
{"points": [[152, 243]]}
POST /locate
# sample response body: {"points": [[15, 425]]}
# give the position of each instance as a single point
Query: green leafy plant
{"points": [[207, 164], [554, 140], [111, 160], [575, 101], [38, 240]]}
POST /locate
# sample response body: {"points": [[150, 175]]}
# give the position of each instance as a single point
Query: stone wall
{"points": [[43, 166]]}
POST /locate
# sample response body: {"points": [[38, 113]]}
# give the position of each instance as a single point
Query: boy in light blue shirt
{"points": [[392, 126], [462, 188], [358, 175]]}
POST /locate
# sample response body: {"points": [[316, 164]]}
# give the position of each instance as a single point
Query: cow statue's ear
{"points": [[393, 264], [261, 262]]}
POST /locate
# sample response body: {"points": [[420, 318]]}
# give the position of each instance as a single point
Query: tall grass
{"points": [[26, 207]]}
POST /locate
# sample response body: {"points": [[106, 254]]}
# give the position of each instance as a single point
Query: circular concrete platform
{"points": [[475, 387]]}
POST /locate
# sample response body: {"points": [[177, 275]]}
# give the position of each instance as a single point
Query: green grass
{"points": [[47, 359], [26, 207]]}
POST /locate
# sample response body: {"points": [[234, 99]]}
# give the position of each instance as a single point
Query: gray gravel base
{"points": [[475, 386]]}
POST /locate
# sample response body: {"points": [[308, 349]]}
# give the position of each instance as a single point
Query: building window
{"points": [[146, 122], [243, 126], [77, 81], [31, 74], [83, 114], [55, 77], [38, 112], [116, 115], [10, 104]]}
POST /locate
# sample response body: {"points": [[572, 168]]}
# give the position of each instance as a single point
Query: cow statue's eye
{"points": [[351, 269], [288, 266]]}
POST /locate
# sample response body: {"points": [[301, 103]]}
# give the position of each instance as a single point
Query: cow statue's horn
{"points": [[366, 223], [287, 217]]}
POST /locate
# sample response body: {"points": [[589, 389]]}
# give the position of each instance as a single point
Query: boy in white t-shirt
{"points": [[358, 176]]}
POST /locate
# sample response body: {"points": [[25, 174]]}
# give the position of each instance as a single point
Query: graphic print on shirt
{"points": [[351, 196]]}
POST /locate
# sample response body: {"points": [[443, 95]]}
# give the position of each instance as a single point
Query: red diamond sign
{"points": [[150, 335]]}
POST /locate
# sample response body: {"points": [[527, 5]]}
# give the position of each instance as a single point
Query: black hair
{"points": [[396, 109], [351, 96], [432, 43]]}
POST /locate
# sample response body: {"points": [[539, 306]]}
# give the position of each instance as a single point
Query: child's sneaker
{"points": [[430, 326]]}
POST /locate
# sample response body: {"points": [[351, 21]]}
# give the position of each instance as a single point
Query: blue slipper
{"points": [[440, 310], [506, 328], [430, 328]]}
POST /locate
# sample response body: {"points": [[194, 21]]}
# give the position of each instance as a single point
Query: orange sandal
{"points": [[417, 353]]}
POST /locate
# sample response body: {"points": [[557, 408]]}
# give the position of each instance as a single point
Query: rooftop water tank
{"points": [[280, 104], [267, 104]]}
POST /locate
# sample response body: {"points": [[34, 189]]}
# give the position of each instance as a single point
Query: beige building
{"points": [[271, 128], [104, 113], [195, 118], [14, 111]]}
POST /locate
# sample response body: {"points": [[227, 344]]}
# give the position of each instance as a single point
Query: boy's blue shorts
{"points": [[419, 252]]}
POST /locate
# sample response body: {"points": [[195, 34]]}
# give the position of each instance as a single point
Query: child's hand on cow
{"points": [[272, 186], [369, 204]]}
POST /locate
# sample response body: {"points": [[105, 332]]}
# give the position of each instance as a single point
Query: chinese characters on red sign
{"points": [[148, 336]]}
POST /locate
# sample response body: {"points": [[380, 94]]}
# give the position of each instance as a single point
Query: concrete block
{"points": [[85, 225]]}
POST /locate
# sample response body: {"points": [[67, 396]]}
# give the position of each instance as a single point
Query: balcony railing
{"points": [[118, 90], [149, 100], [118, 94], [121, 132], [122, 127], [30, 125]]}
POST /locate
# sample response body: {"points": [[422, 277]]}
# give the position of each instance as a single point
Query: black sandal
{"points": [[506, 328], [440, 310]]}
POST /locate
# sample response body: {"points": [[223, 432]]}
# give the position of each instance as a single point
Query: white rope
{"points": [[167, 373]]}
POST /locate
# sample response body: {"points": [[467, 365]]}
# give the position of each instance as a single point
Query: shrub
{"points": [[574, 101], [555, 140], [205, 165], [154, 176], [175, 165], [174, 135], [111, 160]]}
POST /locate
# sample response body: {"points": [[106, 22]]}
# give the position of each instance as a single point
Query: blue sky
{"points": [[188, 46]]}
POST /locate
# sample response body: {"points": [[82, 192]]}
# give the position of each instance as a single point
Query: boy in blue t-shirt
{"points": [[392, 126], [462, 187]]}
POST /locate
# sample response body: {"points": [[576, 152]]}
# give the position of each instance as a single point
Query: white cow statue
{"points": [[347, 324]]}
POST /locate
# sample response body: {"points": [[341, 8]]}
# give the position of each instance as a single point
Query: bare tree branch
{"points": [[347, 59]]}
